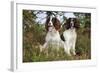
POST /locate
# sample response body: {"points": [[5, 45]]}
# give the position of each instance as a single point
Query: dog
{"points": [[53, 37], [69, 36]]}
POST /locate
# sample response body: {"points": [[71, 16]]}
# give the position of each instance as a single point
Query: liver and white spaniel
{"points": [[69, 36], [53, 37]]}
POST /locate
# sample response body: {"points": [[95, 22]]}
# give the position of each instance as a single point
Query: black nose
{"points": [[49, 24]]}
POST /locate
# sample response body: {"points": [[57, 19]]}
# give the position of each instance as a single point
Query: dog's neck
{"points": [[53, 31]]}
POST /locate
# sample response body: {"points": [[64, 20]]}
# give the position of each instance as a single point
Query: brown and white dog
{"points": [[69, 36], [53, 37]]}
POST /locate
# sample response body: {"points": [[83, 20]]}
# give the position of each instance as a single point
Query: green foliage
{"points": [[83, 44], [34, 36], [85, 19], [32, 50]]}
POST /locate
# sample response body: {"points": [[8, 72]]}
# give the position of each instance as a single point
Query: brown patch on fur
{"points": [[55, 21], [46, 24], [76, 23]]}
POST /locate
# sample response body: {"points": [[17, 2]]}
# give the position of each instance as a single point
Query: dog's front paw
{"points": [[73, 52]]}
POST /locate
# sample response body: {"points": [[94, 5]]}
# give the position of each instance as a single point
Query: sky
{"points": [[41, 18]]}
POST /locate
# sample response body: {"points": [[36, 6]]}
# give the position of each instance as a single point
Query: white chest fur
{"points": [[53, 40], [70, 34], [53, 37], [70, 40]]}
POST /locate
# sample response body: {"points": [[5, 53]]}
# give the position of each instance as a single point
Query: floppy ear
{"points": [[76, 23], [56, 23], [46, 24]]}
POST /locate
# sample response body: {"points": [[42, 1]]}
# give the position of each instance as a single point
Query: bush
{"points": [[33, 38]]}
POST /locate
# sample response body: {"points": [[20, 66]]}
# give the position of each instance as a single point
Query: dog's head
{"points": [[72, 23], [52, 22]]}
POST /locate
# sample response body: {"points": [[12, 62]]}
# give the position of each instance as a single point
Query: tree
{"points": [[28, 19], [85, 19]]}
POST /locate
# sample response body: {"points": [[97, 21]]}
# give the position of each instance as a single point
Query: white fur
{"points": [[53, 39], [70, 40]]}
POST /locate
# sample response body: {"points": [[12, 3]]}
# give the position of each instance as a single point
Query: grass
{"points": [[34, 37]]}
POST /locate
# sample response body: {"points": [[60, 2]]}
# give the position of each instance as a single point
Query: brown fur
{"points": [[67, 24], [46, 24], [56, 23]]}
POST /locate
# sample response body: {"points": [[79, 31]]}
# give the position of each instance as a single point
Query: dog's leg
{"points": [[63, 45], [73, 50], [73, 47], [67, 49], [43, 47]]}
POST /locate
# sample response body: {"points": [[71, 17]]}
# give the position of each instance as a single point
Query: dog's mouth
{"points": [[52, 29]]}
